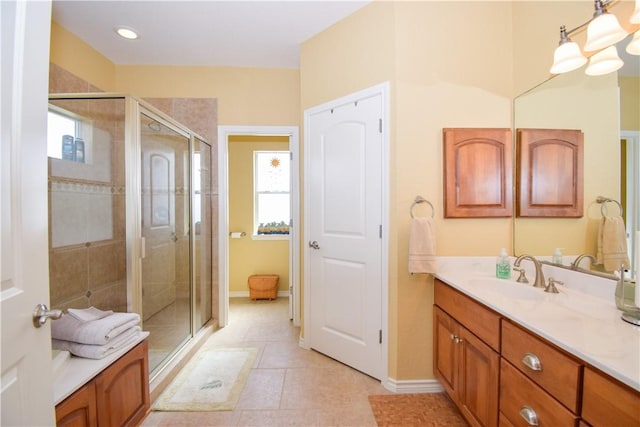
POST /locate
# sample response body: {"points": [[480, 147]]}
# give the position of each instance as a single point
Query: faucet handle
{"points": [[551, 286], [522, 278]]}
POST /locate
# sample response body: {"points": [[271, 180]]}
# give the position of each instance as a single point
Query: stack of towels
{"points": [[93, 333]]}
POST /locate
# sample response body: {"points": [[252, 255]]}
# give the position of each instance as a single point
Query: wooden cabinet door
{"points": [[550, 173], [79, 409], [478, 389], [446, 354], [477, 172], [123, 389], [606, 402]]}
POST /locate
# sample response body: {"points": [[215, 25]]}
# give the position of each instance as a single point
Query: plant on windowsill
{"points": [[274, 227]]}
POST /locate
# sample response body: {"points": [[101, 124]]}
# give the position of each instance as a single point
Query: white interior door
{"points": [[344, 233], [26, 377]]}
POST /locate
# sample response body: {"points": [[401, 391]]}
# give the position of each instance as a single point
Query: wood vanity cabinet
{"points": [[607, 402], [118, 396], [498, 372], [467, 367]]}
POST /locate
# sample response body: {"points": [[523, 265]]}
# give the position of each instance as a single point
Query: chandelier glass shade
{"points": [[603, 32]]}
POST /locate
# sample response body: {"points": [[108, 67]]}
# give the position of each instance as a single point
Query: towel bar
{"points": [[420, 199], [603, 209]]}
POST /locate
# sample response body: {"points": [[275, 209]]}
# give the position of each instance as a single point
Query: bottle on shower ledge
{"points": [[503, 266]]}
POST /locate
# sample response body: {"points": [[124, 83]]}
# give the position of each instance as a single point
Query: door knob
{"points": [[41, 313], [314, 245]]}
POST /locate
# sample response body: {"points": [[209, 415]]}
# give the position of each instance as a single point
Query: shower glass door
{"points": [[165, 219]]}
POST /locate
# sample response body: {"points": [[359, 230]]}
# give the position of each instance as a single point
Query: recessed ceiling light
{"points": [[127, 33]]}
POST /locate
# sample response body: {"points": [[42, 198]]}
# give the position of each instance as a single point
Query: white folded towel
{"points": [[422, 246], [87, 314], [100, 351], [612, 243], [96, 332]]}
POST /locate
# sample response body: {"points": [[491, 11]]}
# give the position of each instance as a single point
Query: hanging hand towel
{"points": [[612, 243], [422, 246], [97, 332]]}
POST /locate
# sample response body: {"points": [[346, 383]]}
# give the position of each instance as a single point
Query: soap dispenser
{"points": [[557, 256], [503, 267]]}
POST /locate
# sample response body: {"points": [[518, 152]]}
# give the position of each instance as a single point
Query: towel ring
{"points": [[418, 200], [603, 208]]}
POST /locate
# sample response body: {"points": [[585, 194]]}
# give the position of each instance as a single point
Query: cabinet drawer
{"points": [[606, 402], [559, 374], [478, 319], [518, 393]]}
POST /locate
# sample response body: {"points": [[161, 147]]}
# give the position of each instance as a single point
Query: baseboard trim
{"points": [[245, 294], [412, 386]]}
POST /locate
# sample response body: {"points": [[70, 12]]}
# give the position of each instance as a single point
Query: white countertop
{"points": [[582, 319], [77, 371]]}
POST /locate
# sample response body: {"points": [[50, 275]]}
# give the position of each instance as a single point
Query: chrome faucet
{"points": [[576, 263], [539, 281]]}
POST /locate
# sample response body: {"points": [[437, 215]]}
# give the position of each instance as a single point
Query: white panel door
{"points": [[345, 246], [26, 377]]}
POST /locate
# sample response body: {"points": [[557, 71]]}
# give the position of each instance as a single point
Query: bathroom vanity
{"points": [[509, 354], [109, 392]]}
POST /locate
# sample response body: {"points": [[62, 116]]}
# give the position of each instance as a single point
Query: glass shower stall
{"points": [[130, 216]]}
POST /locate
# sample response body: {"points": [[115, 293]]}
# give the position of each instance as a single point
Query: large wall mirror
{"points": [[607, 109]]}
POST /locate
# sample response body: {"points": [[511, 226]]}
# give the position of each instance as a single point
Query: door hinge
{"points": [[291, 155], [380, 125], [380, 231], [380, 336]]}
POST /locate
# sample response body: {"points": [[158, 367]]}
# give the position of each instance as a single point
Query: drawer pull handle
{"points": [[529, 415], [532, 362]]}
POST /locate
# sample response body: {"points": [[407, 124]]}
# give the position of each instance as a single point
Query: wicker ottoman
{"points": [[263, 286]]}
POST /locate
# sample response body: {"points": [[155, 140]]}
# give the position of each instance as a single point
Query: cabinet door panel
{"points": [[446, 359], [123, 389], [79, 409], [550, 173], [479, 366], [477, 172], [607, 402]]}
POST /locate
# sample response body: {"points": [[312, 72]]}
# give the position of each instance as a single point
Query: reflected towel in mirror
{"points": [[612, 243]]}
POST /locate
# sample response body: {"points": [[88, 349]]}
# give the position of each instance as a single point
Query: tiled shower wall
{"points": [[94, 273]]}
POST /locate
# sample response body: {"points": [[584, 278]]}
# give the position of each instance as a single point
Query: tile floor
{"points": [[289, 386]]}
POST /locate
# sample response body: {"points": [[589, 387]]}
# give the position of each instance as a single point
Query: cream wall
{"points": [[248, 256], [80, 59], [440, 77], [629, 105]]}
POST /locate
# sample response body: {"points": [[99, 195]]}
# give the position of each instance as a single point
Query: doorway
{"points": [[226, 134]]}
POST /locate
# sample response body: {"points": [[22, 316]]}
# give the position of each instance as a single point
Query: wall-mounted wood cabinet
{"points": [[477, 172], [550, 173]]}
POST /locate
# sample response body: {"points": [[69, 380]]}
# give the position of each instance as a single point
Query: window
{"points": [[68, 136], [272, 193]]}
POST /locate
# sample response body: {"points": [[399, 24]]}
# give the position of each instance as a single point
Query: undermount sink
{"points": [[509, 288]]}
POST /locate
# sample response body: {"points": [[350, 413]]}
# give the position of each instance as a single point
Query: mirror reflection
{"points": [[606, 108]]}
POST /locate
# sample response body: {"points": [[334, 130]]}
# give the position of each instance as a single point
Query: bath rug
{"points": [[423, 409], [211, 381]]}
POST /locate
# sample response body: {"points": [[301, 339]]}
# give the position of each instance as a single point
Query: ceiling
{"points": [[251, 33]]}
